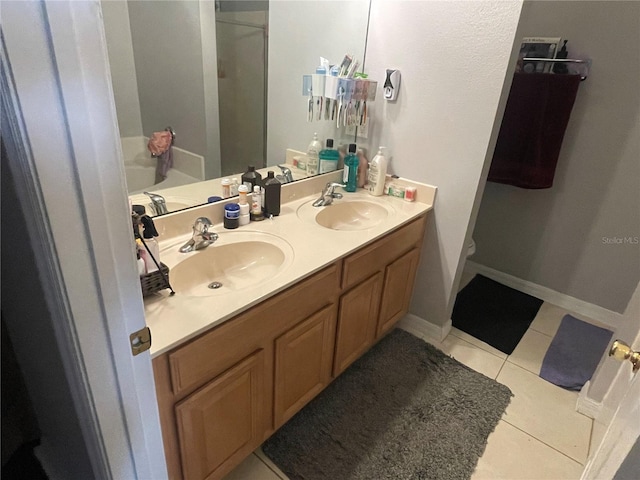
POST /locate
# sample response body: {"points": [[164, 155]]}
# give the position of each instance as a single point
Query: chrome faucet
{"points": [[158, 203], [328, 194], [202, 237], [286, 176]]}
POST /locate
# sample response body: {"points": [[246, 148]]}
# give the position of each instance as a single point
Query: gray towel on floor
{"points": [[574, 353]]}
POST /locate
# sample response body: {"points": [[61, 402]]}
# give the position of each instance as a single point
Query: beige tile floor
{"points": [[540, 436]]}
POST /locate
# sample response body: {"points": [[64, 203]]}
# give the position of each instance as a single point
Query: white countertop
{"points": [[175, 319]]}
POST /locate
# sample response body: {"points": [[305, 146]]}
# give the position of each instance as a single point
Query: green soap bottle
{"points": [[351, 162], [329, 158]]}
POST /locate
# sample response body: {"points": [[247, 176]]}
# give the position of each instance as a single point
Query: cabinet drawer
{"points": [[213, 352], [378, 255]]}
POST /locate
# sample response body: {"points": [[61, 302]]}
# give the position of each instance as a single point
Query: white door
{"points": [[62, 121], [621, 403], [620, 437]]}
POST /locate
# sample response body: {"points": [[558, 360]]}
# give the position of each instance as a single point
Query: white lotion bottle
{"points": [[377, 173], [313, 152]]}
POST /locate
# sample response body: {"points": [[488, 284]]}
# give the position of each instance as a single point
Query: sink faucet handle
{"points": [[158, 202], [201, 225], [201, 237], [155, 197], [201, 233], [286, 173], [331, 186]]}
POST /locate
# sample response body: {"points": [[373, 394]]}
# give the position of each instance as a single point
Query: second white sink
{"points": [[355, 213]]}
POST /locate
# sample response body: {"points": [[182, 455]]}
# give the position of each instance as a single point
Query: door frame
{"points": [[64, 151]]}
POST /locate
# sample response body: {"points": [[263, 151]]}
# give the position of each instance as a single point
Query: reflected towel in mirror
{"points": [[159, 142], [165, 162], [160, 146]]}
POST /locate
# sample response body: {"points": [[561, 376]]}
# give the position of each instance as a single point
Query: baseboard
{"points": [[423, 328], [586, 405], [594, 312]]}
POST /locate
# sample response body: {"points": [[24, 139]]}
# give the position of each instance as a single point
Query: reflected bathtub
{"points": [[140, 167]]}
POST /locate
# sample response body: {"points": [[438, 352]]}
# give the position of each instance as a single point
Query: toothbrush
{"points": [[365, 95], [344, 66], [340, 113], [310, 106]]}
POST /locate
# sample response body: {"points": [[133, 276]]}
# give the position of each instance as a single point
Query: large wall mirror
{"points": [[226, 76]]}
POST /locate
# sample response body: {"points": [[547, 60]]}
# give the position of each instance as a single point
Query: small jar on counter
{"points": [[231, 216], [244, 214], [410, 194]]}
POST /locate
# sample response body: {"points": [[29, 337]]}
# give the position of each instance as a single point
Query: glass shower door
{"points": [[242, 42]]}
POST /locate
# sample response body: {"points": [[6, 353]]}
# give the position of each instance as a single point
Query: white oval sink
{"points": [[235, 262], [346, 214]]}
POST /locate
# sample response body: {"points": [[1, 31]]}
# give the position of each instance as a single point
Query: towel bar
{"points": [[587, 62]]}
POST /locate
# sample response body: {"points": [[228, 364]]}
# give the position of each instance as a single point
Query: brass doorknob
{"points": [[621, 352]]}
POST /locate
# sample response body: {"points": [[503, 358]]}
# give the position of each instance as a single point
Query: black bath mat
{"points": [[493, 313], [405, 410]]}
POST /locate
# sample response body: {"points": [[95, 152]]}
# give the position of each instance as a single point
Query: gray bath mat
{"points": [[405, 410], [574, 353]]}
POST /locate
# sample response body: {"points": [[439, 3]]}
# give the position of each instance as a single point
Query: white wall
{"points": [[556, 237], [453, 57], [123, 69], [168, 49], [300, 33]]}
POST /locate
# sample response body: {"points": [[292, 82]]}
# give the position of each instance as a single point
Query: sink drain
{"points": [[215, 285]]}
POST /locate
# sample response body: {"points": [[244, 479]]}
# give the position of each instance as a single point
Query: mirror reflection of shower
{"points": [[242, 50]]}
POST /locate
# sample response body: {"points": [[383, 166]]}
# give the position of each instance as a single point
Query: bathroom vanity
{"points": [[226, 382]]}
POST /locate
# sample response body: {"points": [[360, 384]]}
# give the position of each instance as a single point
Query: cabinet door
{"points": [[399, 278], [303, 357], [222, 422], [357, 321]]}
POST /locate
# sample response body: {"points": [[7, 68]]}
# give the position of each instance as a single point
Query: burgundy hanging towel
{"points": [[533, 126]]}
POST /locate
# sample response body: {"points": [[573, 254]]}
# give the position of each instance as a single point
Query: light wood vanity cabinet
{"points": [[377, 282], [223, 393], [396, 296], [220, 424], [303, 360], [357, 322]]}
